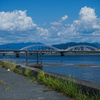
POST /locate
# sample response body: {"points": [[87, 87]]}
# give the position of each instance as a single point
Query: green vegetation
{"points": [[18, 70], [32, 79], [8, 65], [7, 88], [66, 87], [29, 74], [47, 90], [2, 82]]}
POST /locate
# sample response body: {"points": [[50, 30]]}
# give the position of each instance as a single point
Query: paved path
{"points": [[17, 87]]}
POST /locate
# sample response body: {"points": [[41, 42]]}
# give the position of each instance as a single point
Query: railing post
{"points": [[26, 58], [41, 57], [37, 57]]}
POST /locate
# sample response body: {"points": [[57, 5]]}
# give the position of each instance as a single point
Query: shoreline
{"points": [[73, 54], [81, 65]]}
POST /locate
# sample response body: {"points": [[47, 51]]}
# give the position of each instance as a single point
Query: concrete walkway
{"points": [[17, 87]]}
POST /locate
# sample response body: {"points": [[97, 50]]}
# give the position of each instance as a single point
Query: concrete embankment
{"points": [[82, 84]]}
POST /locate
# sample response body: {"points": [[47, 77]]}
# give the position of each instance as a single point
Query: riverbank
{"points": [[81, 65], [86, 87], [74, 53]]}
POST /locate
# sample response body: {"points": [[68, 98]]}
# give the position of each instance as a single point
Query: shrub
{"points": [[48, 81], [28, 73], [41, 77], [8, 65], [58, 85], [18, 70], [33, 79]]}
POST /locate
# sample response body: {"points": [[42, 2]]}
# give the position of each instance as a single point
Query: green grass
{"points": [[7, 88], [18, 70], [2, 82], [28, 73], [66, 87], [33, 79], [47, 90], [8, 65]]}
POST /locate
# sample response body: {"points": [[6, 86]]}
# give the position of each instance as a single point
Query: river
{"points": [[86, 67]]}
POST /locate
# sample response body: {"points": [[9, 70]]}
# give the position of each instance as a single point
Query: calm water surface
{"points": [[71, 65]]}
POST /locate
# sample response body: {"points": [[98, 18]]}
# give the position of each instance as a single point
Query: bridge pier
{"points": [[3, 54], [17, 55], [62, 53]]}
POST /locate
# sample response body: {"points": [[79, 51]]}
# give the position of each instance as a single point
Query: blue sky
{"points": [[49, 21]]}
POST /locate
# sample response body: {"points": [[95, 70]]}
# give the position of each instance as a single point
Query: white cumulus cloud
{"points": [[87, 14], [16, 26], [15, 21], [87, 22], [85, 28], [64, 18], [60, 21]]}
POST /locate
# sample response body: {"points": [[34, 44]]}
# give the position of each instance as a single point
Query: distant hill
{"points": [[97, 44], [17, 45], [66, 45], [60, 46]]}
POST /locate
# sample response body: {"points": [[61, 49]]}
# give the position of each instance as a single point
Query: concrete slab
{"points": [[17, 87]]}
